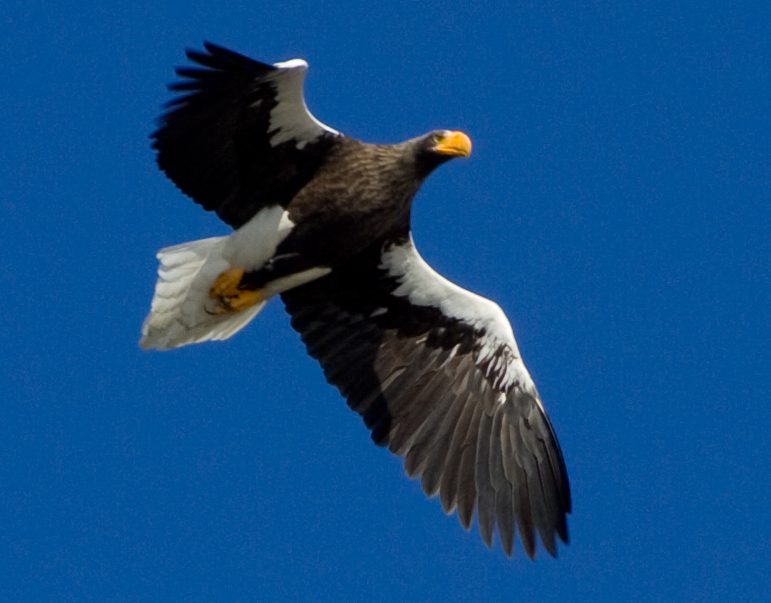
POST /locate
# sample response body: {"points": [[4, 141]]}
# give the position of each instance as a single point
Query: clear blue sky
{"points": [[616, 206]]}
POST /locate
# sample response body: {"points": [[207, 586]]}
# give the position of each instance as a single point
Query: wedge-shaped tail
{"points": [[182, 311]]}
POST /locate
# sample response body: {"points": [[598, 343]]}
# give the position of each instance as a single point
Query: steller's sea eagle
{"points": [[324, 221]]}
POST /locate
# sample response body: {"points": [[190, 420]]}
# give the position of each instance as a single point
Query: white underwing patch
{"points": [[290, 118], [255, 242], [423, 286]]}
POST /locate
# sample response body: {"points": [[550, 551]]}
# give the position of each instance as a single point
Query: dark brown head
{"points": [[435, 148]]}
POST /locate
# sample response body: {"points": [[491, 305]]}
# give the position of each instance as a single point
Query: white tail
{"points": [[181, 311]]}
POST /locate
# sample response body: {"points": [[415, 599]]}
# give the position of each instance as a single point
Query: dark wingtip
{"points": [[550, 545], [562, 531], [465, 517], [215, 57], [217, 50], [220, 58], [508, 548], [487, 534], [198, 57], [212, 47]]}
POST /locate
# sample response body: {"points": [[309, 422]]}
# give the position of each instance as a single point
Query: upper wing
{"points": [[241, 138], [435, 372]]}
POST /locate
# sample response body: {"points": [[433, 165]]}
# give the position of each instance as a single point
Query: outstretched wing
{"points": [[240, 138], [435, 372]]}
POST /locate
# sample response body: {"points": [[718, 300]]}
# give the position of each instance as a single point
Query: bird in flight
{"points": [[323, 221]]}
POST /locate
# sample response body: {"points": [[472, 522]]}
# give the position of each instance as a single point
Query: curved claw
{"points": [[230, 298]]}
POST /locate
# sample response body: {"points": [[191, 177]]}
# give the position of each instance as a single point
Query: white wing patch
{"points": [[255, 242], [290, 118], [423, 286]]}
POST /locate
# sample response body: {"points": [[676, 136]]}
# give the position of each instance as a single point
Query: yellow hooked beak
{"points": [[455, 144]]}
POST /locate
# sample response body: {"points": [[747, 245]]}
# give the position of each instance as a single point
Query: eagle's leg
{"points": [[230, 297], [236, 290]]}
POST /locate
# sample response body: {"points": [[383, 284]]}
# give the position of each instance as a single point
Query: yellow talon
{"points": [[227, 283], [230, 298], [235, 303]]}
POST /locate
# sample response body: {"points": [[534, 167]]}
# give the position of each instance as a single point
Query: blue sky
{"points": [[616, 206]]}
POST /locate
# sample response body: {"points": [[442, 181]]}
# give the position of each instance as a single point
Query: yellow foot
{"points": [[230, 298], [227, 283], [242, 300]]}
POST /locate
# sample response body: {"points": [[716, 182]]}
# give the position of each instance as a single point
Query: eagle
{"points": [[323, 221]]}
